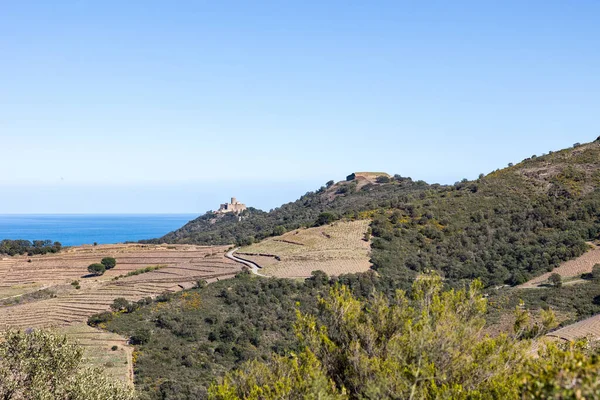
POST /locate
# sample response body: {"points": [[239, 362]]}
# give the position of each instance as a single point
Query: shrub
{"points": [[119, 304], [429, 345], [383, 179], [99, 318], [141, 336], [325, 218], [42, 365], [97, 269]]}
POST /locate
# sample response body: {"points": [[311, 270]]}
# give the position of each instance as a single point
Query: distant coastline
{"points": [[78, 229]]}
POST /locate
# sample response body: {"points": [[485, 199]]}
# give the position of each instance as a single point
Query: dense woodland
{"points": [[20, 247]]}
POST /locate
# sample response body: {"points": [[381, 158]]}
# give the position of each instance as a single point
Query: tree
{"points": [[382, 179], [555, 279], [109, 262], [329, 184], [97, 269], [325, 218], [40, 365]]}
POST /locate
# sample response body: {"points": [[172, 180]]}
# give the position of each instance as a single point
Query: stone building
{"points": [[233, 207]]}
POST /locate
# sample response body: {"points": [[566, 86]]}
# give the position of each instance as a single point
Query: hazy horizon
{"points": [[150, 107]]}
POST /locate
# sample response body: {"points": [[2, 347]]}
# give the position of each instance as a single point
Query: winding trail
{"points": [[254, 267]]}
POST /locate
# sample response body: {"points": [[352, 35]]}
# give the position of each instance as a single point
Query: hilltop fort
{"points": [[233, 207]]}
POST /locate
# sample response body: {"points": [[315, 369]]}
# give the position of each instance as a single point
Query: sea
{"points": [[78, 229]]}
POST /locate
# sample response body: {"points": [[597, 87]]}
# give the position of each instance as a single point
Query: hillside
{"points": [[349, 198], [504, 228], [338, 248]]}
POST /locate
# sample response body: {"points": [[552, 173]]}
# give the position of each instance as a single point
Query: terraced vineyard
{"points": [[568, 269], [184, 265], [335, 249], [103, 349], [68, 308], [588, 328]]}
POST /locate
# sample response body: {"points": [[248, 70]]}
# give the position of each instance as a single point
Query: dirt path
{"points": [[254, 267]]}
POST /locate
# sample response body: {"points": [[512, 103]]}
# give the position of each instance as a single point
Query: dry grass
{"points": [[569, 269], [97, 346], [334, 249]]}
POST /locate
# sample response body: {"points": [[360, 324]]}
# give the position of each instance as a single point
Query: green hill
{"points": [[505, 227], [343, 199]]}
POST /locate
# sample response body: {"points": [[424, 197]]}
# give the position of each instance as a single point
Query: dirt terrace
{"points": [[569, 269], [335, 249], [183, 266]]}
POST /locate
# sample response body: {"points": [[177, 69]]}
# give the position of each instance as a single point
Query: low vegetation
{"points": [[428, 345], [195, 336], [20, 247]]}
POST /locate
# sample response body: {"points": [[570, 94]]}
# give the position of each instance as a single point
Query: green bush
{"points": [[99, 318], [40, 365], [429, 345]]}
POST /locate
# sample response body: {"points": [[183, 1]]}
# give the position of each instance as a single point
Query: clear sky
{"points": [[174, 106]]}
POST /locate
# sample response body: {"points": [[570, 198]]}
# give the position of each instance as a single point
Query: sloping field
{"points": [[334, 249], [183, 266], [589, 328], [571, 268], [69, 308], [103, 349]]}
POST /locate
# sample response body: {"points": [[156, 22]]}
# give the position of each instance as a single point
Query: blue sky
{"points": [[148, 106]]}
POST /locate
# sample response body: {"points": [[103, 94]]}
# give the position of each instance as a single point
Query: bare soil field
{"points": [[98, 350], [334, 249], [572, 268], [68, 308]]}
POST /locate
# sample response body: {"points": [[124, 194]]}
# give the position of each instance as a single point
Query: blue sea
{"points": [[77, 229]]}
